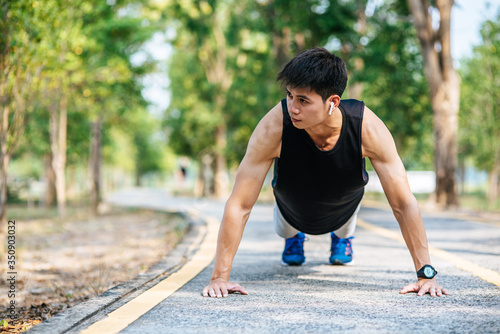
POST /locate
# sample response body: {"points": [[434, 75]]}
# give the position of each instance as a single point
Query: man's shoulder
{"points": [[273, 119], [353, 107], [266, 137], [351, 101], [375, 135]]}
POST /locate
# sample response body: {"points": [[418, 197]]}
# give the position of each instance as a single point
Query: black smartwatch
{"points": [[427, 271]]}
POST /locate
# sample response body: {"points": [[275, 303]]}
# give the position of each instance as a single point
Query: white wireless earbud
{"points": [[331, 108]]}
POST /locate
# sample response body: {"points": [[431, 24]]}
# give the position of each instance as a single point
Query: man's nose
{"points": [[292, 106]]}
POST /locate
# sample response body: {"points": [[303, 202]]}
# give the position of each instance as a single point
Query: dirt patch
{"points": [[62, 264]]}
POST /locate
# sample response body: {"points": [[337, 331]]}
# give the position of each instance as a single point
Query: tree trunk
{"points": [[58, 128], [461, 176], [137, 179], [50, 189], [355, 89], [95, 166], [4, 167], [445, 106], [221, 76], [206, 176], [4, 164], [281, 41], [493, 184], [444, 84], [221, 181]]}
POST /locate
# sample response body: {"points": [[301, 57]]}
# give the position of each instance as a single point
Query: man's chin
{"points": [[298, 125]]}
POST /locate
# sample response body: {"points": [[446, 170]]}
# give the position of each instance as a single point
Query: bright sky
{"points": [[466, 19], [467, 16]]}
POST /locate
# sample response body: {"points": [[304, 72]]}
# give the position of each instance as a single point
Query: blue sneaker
{"points": [[341, 250], [293, 255]]}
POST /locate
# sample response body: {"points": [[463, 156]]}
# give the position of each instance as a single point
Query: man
{"points": [[319, 143]]}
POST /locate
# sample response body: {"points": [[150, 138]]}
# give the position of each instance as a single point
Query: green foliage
{"points": [[394, 83], [480, 99], [256, 38], [83, 49]]}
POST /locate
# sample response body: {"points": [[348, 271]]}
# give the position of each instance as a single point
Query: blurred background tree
{"points": [[394, 85], [480, 106], [76, 123], [444, 87], [225, 46], [87, 86]]}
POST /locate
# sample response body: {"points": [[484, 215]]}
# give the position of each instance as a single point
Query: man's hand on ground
{"points": [[424, 286], [221, 288]]}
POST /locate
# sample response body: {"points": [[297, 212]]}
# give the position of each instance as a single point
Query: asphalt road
{"points": [[321, 298]]}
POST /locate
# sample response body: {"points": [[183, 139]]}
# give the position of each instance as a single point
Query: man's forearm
{"points": [[230, 233], [413, 230]]}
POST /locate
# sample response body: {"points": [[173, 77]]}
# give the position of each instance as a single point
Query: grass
{"points": [[74, 211], [476, 201], [62, 263]]}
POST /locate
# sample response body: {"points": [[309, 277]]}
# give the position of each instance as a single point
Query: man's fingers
{"points": [[423, 290], [423, 287], [237, 288], [222, 289], [410, 288]]}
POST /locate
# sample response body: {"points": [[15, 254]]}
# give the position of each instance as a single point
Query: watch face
{"points": [[429, 272]]}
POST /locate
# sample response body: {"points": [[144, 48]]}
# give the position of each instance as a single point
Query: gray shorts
{"points": [[285, 230]]}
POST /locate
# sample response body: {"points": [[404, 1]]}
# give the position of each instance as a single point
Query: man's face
{"points": [[306, 107]]}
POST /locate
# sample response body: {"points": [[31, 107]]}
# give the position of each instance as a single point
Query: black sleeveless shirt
{"points": [[318, 191]]}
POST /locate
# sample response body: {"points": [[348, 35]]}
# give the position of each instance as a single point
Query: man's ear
{"points": [[335, 99]]}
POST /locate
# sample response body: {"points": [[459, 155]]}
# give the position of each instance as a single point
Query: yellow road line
{"points": [[481, 272], [453, 215], [131, 311]]}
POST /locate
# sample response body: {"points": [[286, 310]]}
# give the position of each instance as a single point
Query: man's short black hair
{"points": [[317, 69]]}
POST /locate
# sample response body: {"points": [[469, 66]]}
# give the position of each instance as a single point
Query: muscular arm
{"points": [[379, 146], [263, 147]]}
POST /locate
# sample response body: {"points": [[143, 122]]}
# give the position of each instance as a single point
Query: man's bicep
{"points": [[264, 145], [249, 180], [381, 149], [394, 180]]}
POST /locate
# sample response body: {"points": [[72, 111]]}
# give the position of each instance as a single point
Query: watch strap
{"points": [[427, 271]]}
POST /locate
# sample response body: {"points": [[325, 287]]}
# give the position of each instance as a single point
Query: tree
{"points": [[70, 62], [394, 84], [480, 111], [19, 70], [59, 62], [206, 23], [223, 72], [110, 84], [444, 85]]}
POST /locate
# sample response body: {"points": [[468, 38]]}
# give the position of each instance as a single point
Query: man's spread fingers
{"points": [[409, 288], [238, 288]]}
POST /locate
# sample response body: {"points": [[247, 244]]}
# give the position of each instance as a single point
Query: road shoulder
{"points": [[91, 310]]}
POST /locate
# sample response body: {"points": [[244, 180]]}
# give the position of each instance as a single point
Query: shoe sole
{"points": [[340, 263], [283, 263]]}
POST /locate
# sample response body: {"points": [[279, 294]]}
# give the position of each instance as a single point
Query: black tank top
{"points": [[318, 191]]}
